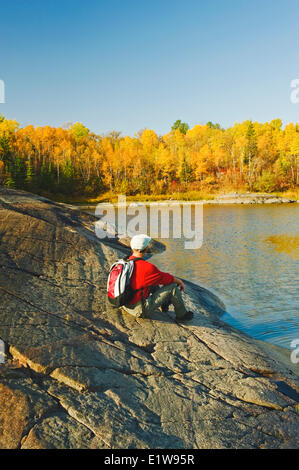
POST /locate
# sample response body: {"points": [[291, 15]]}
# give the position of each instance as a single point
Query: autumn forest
{"points": [[75, 162]]}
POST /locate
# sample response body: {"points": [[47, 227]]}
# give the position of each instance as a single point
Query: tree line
{"points": [[74, 161]]}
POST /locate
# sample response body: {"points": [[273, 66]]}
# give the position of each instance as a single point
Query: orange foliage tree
{"points": [[75, 161]]}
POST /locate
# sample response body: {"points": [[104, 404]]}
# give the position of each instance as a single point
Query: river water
{"points": [[249, 259]]}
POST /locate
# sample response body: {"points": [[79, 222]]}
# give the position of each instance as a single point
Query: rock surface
{"points": [[79, 374], [251, 198]]}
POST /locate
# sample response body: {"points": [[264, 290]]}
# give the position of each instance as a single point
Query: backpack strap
{"points": [[134, 259], [141, 288]]}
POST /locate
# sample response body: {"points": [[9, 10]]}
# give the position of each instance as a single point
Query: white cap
{"points": [[140, 242]]}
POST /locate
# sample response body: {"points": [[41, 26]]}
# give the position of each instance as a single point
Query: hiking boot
{"points": [[188, 316]]}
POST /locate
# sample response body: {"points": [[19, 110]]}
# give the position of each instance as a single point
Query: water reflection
{"points": [[285, 244]]}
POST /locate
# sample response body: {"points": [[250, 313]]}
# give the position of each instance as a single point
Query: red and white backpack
{"points": [[119, 289]]}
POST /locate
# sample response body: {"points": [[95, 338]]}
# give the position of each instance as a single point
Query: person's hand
{"points": [[180, 283]]}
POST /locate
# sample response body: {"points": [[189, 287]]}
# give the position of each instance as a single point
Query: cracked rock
{"points": [[80, 374]]}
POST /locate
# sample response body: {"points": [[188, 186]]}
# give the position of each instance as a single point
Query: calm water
{"points": [[249, 258]]}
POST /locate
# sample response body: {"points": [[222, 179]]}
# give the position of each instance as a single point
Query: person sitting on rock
{"points": [[154, 288]]}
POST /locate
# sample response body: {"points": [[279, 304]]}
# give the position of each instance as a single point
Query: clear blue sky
{"points": [[126, 64]]}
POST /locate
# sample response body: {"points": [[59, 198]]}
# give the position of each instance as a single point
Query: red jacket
{"points": [[145, 274]]}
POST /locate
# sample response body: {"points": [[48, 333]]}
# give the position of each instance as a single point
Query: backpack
{"points": [[119, 290]]}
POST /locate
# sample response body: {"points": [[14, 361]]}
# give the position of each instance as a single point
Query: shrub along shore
{"points": [[244, 198]]}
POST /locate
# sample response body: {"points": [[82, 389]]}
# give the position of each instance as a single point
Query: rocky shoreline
{"points": [[79, 374], [251, 198], [233, 198], [246, 198]]}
